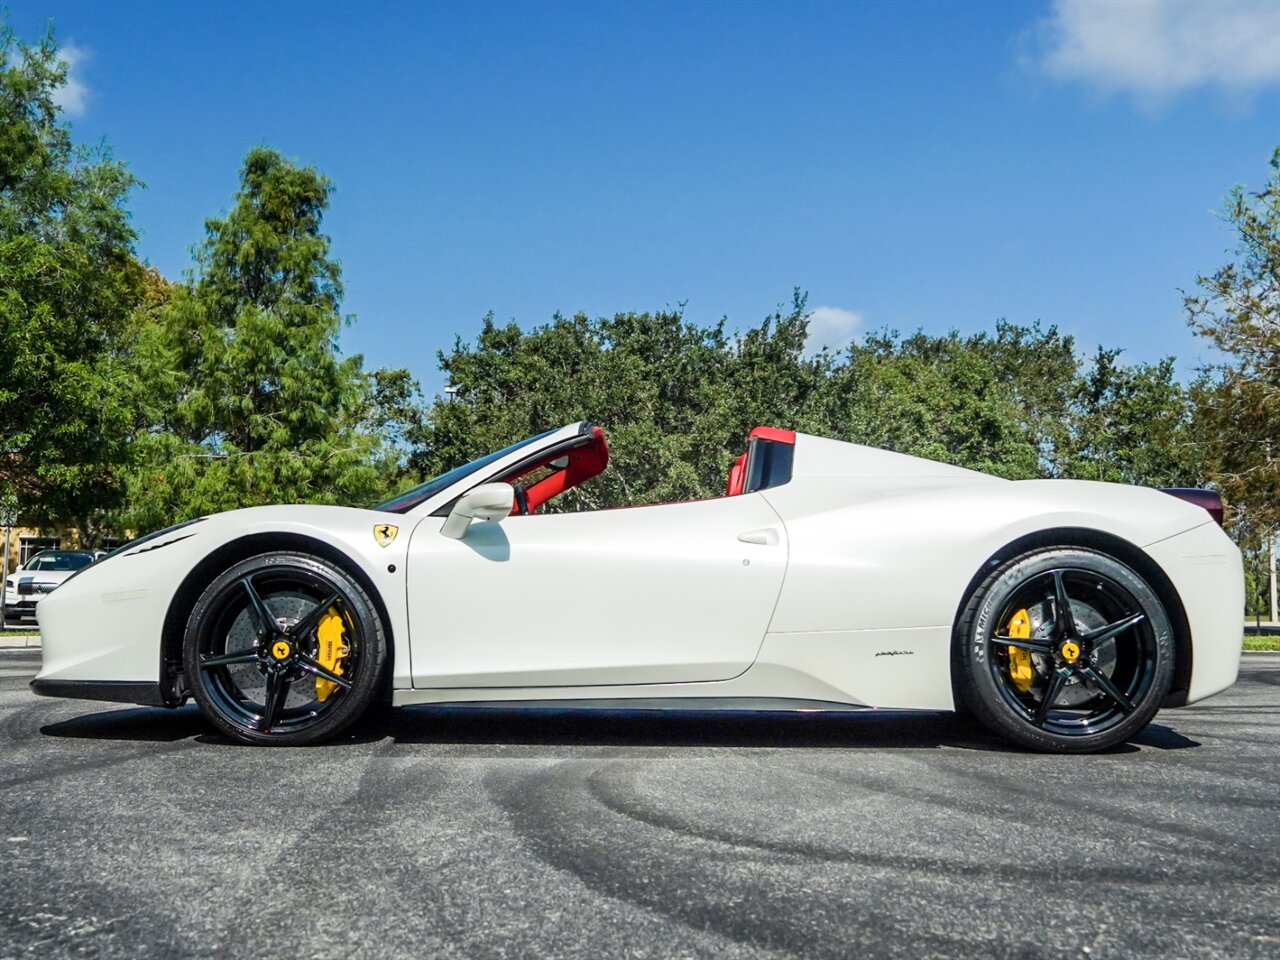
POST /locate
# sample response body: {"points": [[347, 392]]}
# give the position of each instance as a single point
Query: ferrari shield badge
{"points": [[384, 533]]}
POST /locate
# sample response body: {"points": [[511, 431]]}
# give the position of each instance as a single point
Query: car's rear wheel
{"points": [[283, 649], [1064, 650]]}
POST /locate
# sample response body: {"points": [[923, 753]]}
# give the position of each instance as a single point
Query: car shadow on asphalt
{"points": [[141, 724], [765, 729], [516, 726], [663, 728]]}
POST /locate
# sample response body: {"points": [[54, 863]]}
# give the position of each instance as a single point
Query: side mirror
{"points": [[489, 501]]}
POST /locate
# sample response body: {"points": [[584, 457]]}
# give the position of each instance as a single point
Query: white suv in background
{"points": [[38, 576]]}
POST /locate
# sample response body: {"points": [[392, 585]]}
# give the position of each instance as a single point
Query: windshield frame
{"points": [[416, 496]]}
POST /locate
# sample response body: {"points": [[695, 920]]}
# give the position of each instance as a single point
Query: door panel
{"points": [[638, 595]]}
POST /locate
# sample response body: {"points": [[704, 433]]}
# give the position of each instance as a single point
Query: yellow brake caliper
{"points": [[1020, 670], [331, 653]]}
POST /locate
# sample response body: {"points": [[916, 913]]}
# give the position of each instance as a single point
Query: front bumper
{"points": [[1206, 570], [21, 611]]}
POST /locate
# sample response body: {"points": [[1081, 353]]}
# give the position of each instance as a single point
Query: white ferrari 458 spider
{"points": [[829, 576]]}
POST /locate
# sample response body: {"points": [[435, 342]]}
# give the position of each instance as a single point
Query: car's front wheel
{"points": [[283, 649], [1064, 650]]}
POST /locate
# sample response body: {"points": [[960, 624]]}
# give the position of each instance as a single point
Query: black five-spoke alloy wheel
{"points": [[1066, 650], [283, 649]]}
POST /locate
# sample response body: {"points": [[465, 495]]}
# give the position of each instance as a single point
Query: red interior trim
{"points": [[592, 457], [737, 477], [584, 463], [776, 434]]}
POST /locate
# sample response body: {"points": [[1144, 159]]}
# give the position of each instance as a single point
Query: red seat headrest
{"points": [[737, 477]]}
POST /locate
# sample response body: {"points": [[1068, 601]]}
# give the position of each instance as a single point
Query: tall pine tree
{"points": [[261, 408]]}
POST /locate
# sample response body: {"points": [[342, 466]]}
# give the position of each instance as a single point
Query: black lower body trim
{"points": [[15, 613], [144, 692]]}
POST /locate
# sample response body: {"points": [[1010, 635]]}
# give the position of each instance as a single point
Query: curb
{"points": [[20, 643]]}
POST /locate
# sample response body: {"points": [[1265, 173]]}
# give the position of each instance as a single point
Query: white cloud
{"points": [[831, 327], [72, 96], [1155, 49]]}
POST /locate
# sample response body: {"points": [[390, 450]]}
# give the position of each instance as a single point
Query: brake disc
{"points": [[1075, 691]]}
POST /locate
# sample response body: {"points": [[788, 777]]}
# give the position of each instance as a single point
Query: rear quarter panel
{"points": [[879, 567], [899, 552]]}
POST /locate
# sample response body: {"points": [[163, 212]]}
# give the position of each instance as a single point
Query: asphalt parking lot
{"points": [[137, 832]]}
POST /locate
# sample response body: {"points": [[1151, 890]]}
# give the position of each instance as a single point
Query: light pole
{"points": [[8, 517], [4, 568], [1273, 576]]}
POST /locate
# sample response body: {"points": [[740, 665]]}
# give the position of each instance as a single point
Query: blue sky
{"points": [[930, 165]]}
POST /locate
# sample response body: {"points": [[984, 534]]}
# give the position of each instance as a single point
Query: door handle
{"points": [[766, 537]]}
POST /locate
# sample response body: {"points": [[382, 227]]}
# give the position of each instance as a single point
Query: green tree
{"points": [[1016, 402], [257, 405], [1238, 402], [1038, 370], [69, 283], [1130, 424], [678, 400], [677, 397], [935, 397]]}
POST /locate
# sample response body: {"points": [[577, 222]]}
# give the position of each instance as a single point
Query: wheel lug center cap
{"points": [[281, 650], [1070, 651]]}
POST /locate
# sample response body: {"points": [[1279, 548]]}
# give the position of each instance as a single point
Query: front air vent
{"points": [[131, 548], [157, 546]]}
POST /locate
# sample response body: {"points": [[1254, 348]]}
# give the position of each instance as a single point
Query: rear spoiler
{"points": [[1209, 500]]}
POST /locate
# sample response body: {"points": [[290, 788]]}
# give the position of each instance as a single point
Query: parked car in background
{"points": [[39, 576]]}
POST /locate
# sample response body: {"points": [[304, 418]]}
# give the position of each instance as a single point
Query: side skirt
{"points": [[404, 698]]}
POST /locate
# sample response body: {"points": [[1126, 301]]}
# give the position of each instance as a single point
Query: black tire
{"points": [[1097, 677], [251, 650]]}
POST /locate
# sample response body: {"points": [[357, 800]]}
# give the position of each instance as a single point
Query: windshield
{"points": [[59, 561], [424, 491]]}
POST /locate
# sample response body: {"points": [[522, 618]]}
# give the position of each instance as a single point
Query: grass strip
{"points": [[1262, 643]]}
